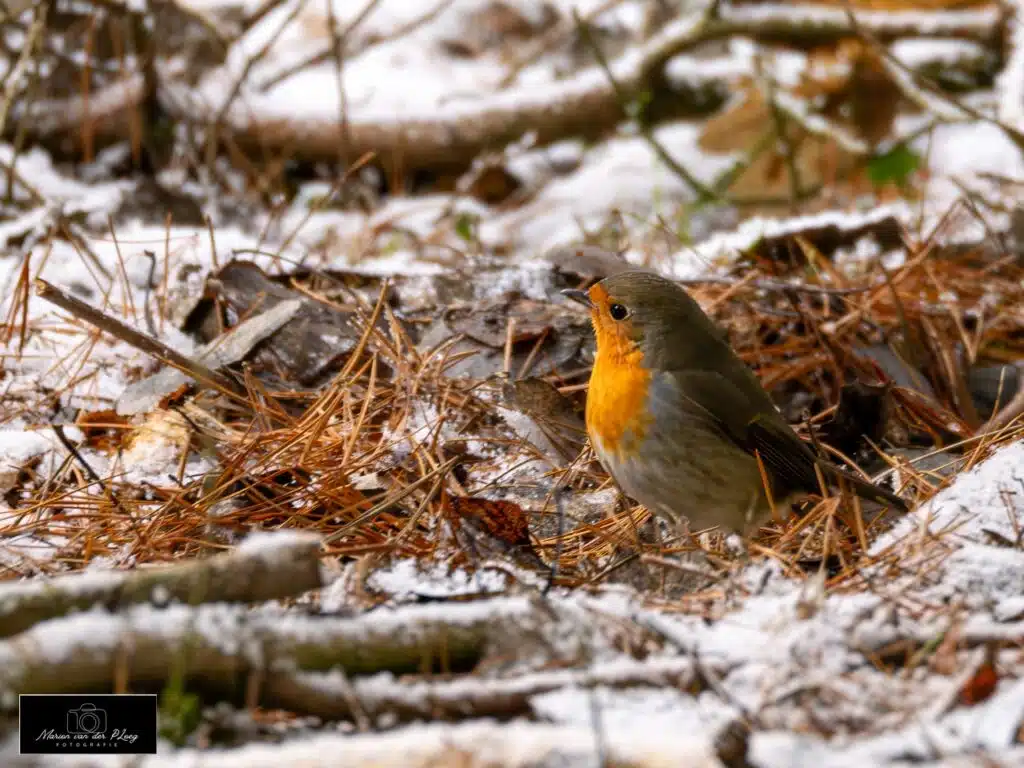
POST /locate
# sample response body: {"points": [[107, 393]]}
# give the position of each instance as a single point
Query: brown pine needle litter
{"points": [[292, 411], [367, 460]]}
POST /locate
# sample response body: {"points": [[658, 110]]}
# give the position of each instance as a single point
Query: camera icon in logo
{"points": [[88, 718]]}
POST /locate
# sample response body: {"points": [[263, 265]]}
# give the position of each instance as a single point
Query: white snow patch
{"points": [[405, 579]]}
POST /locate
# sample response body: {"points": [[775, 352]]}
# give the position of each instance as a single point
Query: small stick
{"points": [[560, 506], [140, 341], [58, 430], [675, 565], [781, 120], [146, 309], [510, 333], [627, 105], [773, 286], [530, 358], [251, 61], [1010, 412], [17, 72]]}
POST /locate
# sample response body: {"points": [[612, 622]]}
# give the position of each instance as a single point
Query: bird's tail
{"points": [[867, 490]]}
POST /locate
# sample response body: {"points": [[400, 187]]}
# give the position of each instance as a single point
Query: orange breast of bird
{"points": [[617, 415]]}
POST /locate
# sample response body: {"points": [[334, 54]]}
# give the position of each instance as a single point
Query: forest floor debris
{"points": [[308, 436]]}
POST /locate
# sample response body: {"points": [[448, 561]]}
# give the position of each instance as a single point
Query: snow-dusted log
{"points": [[332, 696], [225, 647], [495, 745], [263, 567], [585, 104]]}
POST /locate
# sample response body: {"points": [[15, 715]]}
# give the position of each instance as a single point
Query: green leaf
{"points": [[180, 713], [895, 166], [465, 226], [636, 108]]}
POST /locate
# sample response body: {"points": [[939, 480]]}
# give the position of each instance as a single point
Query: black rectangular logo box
{"points": [[93, 724]]}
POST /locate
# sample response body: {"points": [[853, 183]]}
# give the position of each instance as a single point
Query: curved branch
{"points": [[220, 645], [330, 697], [585, 104]]}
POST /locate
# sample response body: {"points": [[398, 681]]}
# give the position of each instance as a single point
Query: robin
{"points": [[681, 423]]}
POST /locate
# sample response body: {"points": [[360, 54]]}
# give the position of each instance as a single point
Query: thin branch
{"points": [[130, 336], [247, 67], [629, 104], [13, 78], [932, 95], [1011, 412], [769, 88], [269, 567], [321, 57]]}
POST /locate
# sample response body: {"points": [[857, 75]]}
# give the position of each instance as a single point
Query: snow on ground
{"points": [[792, 659], [790, 656]]}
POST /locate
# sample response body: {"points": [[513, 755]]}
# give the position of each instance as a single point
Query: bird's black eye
{"points": [[618, 312]]}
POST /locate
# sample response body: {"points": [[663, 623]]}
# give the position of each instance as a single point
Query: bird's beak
{"points": [[579, 296]]}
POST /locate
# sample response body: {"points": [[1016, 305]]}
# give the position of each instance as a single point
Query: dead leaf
{"points": [[487, 528], [103, 430], [590, 262], [544, 417], [489, 323], [547, 334], [982, 683], [229, 348], [494, 184], [305, 349]]}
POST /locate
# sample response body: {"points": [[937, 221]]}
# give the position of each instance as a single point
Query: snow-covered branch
{"points": [[264, 567]]}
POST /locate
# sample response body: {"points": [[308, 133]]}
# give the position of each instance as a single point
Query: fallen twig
{"points": [[268, 567], [129, 335], [702, 192], [12, 79], [1009, 412], [323, 694], [496, 745], [583, 104], [78, 653], [920, 90]]}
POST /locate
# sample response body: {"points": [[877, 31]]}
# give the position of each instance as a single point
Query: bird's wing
{"points": [[717, 402], [722, 406]]}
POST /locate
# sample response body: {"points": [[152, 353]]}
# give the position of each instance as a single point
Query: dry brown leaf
{"points": [[488, 528], [103, 430], [981, 686]]}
